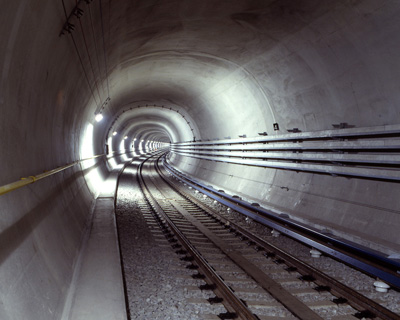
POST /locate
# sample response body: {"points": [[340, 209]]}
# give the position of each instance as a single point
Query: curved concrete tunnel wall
{"points": [[135, 122], [233, 67]]}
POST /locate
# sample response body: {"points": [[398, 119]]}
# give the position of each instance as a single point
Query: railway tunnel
{"points": [[289, 104]]}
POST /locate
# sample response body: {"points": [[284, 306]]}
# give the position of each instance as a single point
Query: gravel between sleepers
{"points": [[158, 284], [347, 275]]}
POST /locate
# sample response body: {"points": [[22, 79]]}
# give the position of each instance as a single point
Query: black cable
{"points": [[86, 76], [104, 48], [88, 54], [95, 44], [79, 56]]}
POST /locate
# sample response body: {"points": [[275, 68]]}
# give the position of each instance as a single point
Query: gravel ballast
{"points": [[158, 284]]}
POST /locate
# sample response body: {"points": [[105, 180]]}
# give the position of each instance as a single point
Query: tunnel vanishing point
{"points": [[290, 104]]}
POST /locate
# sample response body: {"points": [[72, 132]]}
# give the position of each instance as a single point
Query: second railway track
{"points": [[252, 278]]}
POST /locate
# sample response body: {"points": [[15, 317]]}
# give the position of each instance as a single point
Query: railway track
{"points": [[252, 278]]}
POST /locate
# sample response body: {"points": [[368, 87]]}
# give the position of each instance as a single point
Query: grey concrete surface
{"points": [[229, 67], [98, 291]]}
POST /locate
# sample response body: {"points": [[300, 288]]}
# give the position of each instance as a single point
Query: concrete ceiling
{"points": [[232, 67], [237, 67]]}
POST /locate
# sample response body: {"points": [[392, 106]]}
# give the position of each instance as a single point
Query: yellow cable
{"points": [[16, 185]]}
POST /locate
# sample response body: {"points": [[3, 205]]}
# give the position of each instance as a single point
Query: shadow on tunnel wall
{"points": [[13, 236]]}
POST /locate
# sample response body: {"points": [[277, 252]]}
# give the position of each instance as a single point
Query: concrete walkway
{"points": [[97, 290]]}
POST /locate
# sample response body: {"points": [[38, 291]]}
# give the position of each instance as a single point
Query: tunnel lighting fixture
{"points": [[114, 133], [98, 117], [126, 137], [134, 139]]}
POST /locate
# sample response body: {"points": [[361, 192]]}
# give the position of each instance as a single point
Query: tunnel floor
{"points": [[158, 284]]}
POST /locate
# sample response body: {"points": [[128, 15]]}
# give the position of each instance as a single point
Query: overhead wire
{"points": [[79, 56], [95, 44], [88, 54], [104, 47]]}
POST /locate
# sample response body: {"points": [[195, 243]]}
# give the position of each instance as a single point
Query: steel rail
{"points": [[31, 179], [357, 300], [349, 253], [283, 296], [234, 302]]}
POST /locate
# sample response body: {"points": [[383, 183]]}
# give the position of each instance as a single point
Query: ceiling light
{"points": [[98, 117], [126, 137], [114, 133]]}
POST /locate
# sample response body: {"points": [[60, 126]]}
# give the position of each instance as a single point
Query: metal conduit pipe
{"points": [[370, 153]]}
